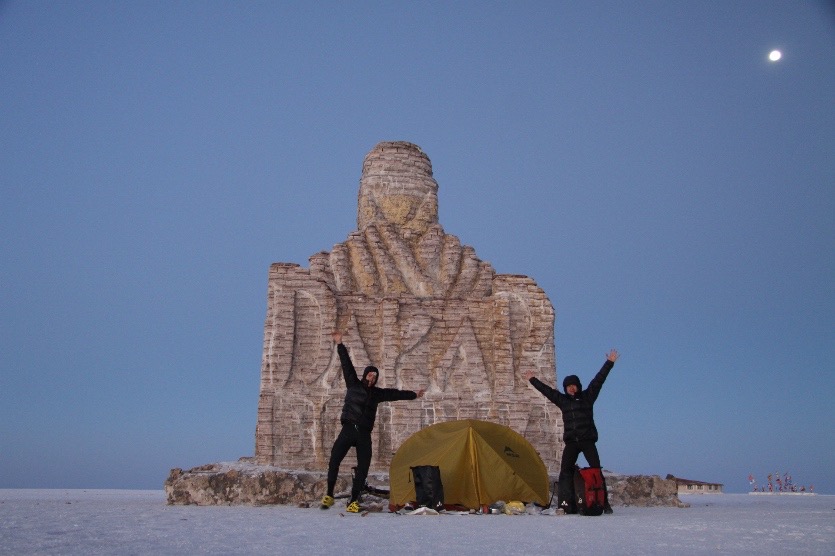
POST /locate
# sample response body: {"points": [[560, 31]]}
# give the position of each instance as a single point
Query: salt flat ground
{"points": [[140, 522]]}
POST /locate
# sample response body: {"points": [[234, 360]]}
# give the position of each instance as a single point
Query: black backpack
{"points": [[429, 490]]}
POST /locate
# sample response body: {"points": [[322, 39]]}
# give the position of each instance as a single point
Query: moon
{"points": [[775, 55]]}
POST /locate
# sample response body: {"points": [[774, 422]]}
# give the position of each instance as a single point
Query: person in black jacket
{"points": [[579, 431], [358, 415]]}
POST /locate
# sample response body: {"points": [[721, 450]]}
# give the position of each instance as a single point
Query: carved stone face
{"points": [[411, 214], [398, 209]]}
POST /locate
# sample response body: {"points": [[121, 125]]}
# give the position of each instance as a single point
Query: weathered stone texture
{"points": [[642, 490], [231, 485], [416, 303], [243, 483]]}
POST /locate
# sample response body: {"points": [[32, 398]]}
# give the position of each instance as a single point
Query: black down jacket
{"points": [[360, 406], [577, 410]]}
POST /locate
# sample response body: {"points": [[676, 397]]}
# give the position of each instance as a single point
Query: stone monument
{"points": [[416, 303], [425, 310]]}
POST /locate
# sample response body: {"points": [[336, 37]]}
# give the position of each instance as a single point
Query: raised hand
{"points": [[613, 355]]}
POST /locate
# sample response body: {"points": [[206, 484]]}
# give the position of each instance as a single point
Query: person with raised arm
{"points": [[358, 415], [579, 430]]}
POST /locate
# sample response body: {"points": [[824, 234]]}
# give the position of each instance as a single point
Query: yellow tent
{"points": [[480, 463]]}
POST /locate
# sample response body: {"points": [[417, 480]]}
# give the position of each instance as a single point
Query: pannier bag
{"points": [[429, 490]]}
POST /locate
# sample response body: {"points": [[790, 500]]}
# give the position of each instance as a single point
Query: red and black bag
{"points": [[589, 490]]}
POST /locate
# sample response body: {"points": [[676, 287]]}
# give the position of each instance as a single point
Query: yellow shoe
{"points": [[327, 502], [353, 507]]}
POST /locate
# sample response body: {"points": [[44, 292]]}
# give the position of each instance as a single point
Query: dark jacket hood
{"points": [[571, 379], [371, 369]]}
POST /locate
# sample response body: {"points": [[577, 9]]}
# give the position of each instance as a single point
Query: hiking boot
{"points": [[353, 507], [327, 501]]}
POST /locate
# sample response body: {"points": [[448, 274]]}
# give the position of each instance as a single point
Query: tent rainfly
{"points": [[480, 463]]}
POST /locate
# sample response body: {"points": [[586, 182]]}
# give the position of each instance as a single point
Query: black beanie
{"points": [[571, 379]]}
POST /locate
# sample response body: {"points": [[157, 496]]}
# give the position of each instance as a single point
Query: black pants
{"points": [[565, 485], [359, 438]]}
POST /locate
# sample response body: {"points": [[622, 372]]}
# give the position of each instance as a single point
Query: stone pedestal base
{"points": [[245, 483]]}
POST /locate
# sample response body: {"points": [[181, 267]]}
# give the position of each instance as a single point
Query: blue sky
{"points": [[668, 186]]}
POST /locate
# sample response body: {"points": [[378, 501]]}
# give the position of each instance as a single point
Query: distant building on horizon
{"points": [[688, 486]]}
